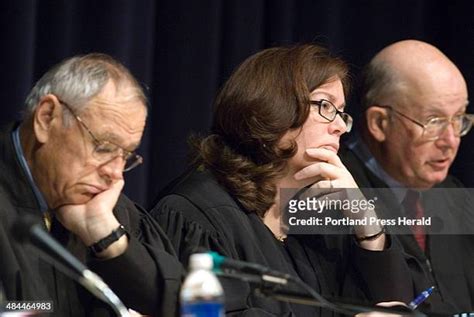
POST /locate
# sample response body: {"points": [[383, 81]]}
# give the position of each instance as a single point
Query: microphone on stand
{"points": [[266, 277], [272, 283], [26, 229], [264, 273]]}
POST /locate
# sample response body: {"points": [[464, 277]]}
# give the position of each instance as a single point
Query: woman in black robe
{"points": [[277, 124]]}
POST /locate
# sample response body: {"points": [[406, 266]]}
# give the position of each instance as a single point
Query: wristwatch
{"points": [[371, 237], [104, 243]]}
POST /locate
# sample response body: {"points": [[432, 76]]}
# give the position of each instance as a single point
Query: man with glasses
{"points": [[414, 101], [63, 165]]}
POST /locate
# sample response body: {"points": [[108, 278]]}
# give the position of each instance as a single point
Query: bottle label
{"points": [[202, 309]]}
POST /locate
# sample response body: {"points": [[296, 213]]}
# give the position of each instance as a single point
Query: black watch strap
{"points": [[104, 243]]}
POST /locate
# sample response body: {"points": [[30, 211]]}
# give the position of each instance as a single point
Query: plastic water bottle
{"points": [[201, 293]]}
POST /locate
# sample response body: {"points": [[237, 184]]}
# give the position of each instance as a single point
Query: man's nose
{"points": [[448, 138], [112, 169]]}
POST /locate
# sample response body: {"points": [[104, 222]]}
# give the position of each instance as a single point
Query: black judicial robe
{"points": [[448, 262], [146, 277], [198, 214]]}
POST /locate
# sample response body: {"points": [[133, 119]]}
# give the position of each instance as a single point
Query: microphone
{"points": [[271, 283], [26, 229], [266, 274]]}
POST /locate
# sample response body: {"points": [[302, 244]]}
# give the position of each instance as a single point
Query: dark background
{"points": [[184, 50]]}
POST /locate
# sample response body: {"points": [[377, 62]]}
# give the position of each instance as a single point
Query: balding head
{"points": [[405, 86], [409, 67]]}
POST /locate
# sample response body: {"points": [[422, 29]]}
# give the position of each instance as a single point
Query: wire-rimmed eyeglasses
{"points": [[434, 127], [105, 151]]}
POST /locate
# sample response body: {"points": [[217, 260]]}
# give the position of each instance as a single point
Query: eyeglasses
{"points": [[328, 111], [105, 151], [434, 127]]}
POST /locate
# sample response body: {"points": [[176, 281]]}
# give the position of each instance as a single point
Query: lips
{"points": [[331, 147], [440, 164], [94, 189]]}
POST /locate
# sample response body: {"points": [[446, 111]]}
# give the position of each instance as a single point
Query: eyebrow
{"points": [[117, 140], [437, 112], [331, 98]]}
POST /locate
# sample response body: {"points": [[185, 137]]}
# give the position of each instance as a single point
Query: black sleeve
{"points": [[385, 273], [340, 269], [148, 275], [191, 230]]}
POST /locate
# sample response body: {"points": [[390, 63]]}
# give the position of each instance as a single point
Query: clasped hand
{"points": [[333, 180]]}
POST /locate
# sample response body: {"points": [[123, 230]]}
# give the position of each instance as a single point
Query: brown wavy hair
{"points": [[266, 96]]}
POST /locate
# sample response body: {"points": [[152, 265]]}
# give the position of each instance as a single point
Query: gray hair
{"points": [[78, 79], [379, 82]]}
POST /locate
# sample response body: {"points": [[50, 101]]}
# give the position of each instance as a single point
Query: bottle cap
{"points": [[201, 261]]}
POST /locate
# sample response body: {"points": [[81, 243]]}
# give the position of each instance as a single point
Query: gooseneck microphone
{"points": [[265, 273], [26, 229], [272, 283], [269, 276]]}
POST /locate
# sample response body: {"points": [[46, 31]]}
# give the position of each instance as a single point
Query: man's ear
{"points": [[46, 115], [377, 120]]}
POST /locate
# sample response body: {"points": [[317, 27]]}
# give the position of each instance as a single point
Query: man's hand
{"points": [[95, 220]]}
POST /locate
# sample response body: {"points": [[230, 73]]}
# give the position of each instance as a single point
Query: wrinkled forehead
{"points": [[122, 91], [442, 103], [116, 120], [442, 93]]}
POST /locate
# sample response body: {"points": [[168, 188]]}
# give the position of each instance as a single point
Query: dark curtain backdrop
{"points": [[184, 50]]}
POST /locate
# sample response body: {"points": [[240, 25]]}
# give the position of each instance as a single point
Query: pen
{"points": [[421, 298]]}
